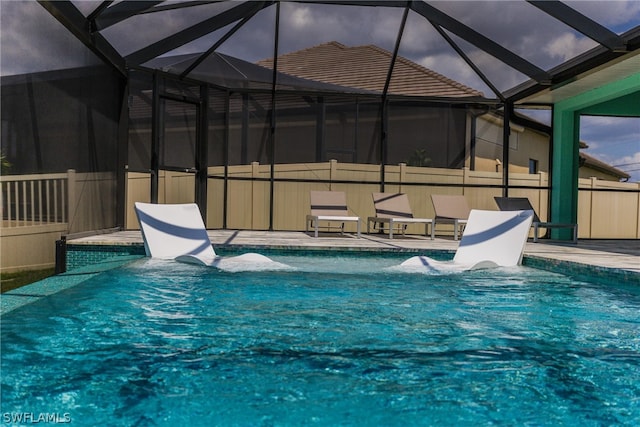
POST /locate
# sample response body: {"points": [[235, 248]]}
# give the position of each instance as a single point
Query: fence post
{"points": [[61, 255], [593, 182], [255, 187], [402, 175], [72, 202], [466, 178], [333, 172], [638, 214]]}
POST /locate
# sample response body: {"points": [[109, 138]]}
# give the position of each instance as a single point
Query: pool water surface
{"points": [[335, 341]]}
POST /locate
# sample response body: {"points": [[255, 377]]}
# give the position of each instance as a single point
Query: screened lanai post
{"points": [[155, 139], [35, 129], [321, 116], [506, 133], [225, 185], [202, 152], [272, 133], [385, 94], [123, 156], [244, 134], [564, 175]]}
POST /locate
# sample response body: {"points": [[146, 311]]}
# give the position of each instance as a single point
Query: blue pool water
{"points": [[338, 341]]}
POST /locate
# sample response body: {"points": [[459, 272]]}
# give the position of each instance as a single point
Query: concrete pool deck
{"points": [[619, 255]]}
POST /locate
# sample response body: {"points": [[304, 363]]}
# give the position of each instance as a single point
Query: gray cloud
{"points": [[32, 41]]}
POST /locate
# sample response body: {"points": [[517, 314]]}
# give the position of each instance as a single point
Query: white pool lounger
{"points": [[490, 239], [176, 231]]}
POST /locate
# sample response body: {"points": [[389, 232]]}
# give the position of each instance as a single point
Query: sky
{"points": [[515, 25]]}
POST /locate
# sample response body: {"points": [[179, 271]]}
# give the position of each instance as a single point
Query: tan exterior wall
{"points": [[524, 144], [588, 173]]}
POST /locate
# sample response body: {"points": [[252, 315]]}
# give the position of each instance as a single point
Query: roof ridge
{"points": [[596, 163]]}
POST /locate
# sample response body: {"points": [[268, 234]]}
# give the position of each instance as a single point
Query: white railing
{"points": [[30, 200]]}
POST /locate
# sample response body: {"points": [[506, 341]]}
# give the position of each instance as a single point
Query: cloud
{"points": [[567, 46], [614, 140], [618, 15], [455, 68], [33, 41], [608, 131], [517, 26], [630, 164]]}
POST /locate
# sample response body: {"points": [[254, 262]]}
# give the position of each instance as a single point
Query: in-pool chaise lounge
{"points": [[394, 208], [520, 203], [176, 231], [490, 239], [450, 209], [330, 206]]}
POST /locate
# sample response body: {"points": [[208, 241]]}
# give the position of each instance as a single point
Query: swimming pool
{"points": [[340, 341]]}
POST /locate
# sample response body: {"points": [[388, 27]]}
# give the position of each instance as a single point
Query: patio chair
{"points": [[330, 207], [450, 210], [176, 231], [394, 209], [490, 239], [520, 203]]}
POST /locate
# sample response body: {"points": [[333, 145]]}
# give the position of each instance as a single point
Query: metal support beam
{"points": [[121, 11], [194, 32], [219, 43], [581, 23], [468, 60], [475, 38], [73, 20]]}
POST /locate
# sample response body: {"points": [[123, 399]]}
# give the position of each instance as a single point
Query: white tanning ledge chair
{"points": [[176, 231], [490, 239]]}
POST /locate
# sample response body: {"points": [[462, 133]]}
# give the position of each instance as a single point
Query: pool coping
{"points": [[103, 254]]}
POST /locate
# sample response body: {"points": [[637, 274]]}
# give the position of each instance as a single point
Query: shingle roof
{"points": [[366, 67], [594, 163]]}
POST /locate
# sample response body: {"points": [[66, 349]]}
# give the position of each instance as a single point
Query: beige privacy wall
{"points": [[602, 214], [39, 209]]}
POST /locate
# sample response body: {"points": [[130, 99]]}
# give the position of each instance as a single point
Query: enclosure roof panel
{"points": [[513, 48]]}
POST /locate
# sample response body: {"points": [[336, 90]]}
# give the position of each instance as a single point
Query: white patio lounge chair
{"points": [[450, 209], [522, 203], [392, 209], [330, 206], [490, 239], [176, 231]]}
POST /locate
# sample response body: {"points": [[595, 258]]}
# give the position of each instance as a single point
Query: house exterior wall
{"points": [[524, 144]]}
